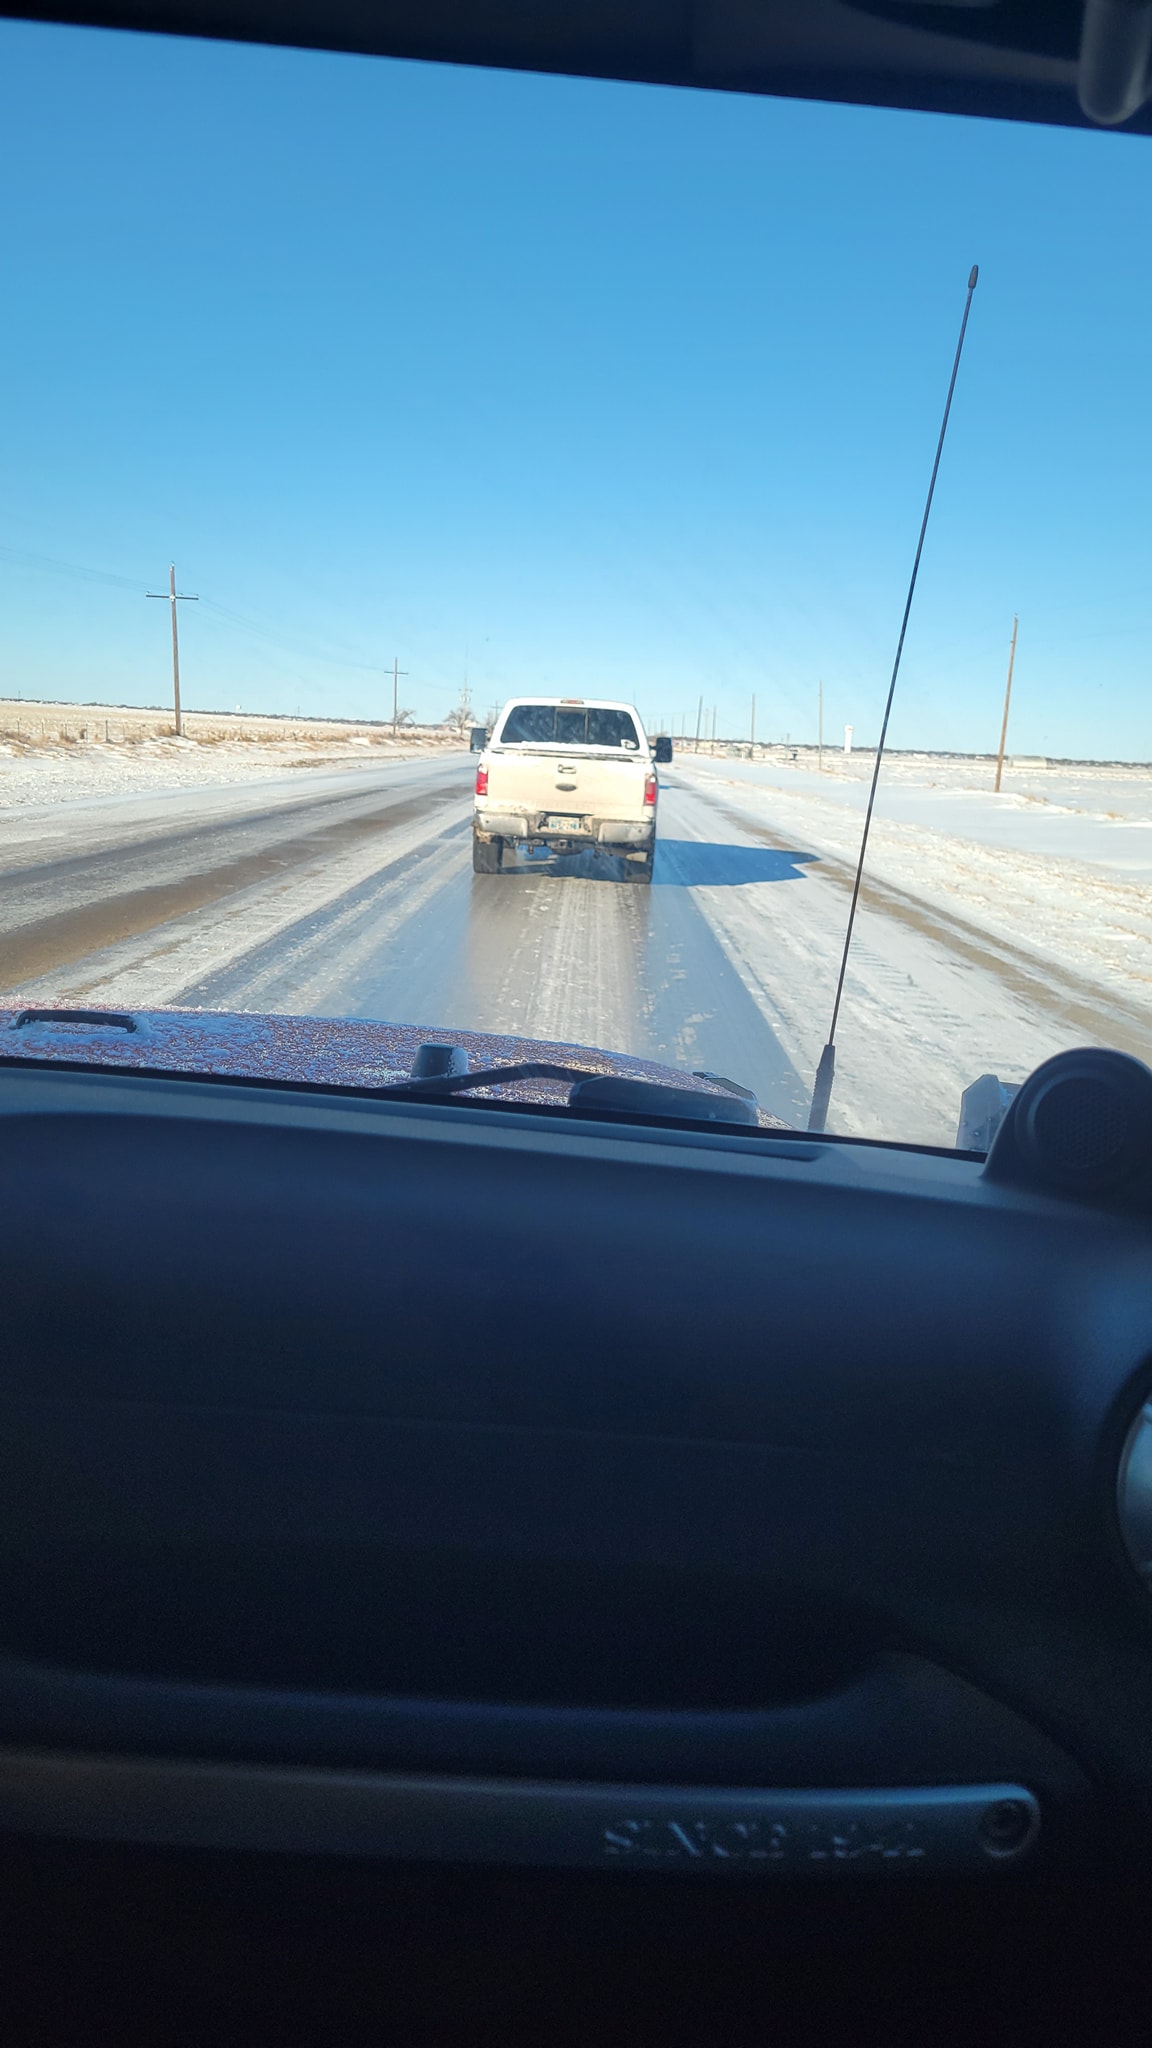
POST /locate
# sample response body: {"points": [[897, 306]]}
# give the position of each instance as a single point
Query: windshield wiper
{"points": [[440, 1073], [591, 1095], [457, 1083], [590, 1092]]}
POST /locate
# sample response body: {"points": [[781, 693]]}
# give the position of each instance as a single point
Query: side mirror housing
{"points": [[662, 749]]}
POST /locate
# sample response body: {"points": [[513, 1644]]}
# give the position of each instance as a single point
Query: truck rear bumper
{"points": [[626, 832], [500, 825]]}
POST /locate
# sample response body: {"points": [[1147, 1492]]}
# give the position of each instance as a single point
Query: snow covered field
{"points": [[67, 753], [1060, 863]]}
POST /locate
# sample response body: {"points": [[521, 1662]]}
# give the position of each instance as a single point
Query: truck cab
{"points": [[568, 773]]}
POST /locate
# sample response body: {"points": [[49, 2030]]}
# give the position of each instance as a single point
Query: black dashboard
{"points": [[457, 1483]]}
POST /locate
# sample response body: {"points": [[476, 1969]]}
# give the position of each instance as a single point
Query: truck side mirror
{"points": [[662, 749]]}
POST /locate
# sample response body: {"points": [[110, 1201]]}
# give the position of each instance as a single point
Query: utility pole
{"points": [[174, 597], [699, 716], [397, 672], [820, 729], [1007, 701], [753, 721]]}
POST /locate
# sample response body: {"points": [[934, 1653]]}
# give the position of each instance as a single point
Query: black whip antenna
{"points": [[825, 1072]]}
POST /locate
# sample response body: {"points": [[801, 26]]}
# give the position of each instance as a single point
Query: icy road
{"points": [[350, 893]]}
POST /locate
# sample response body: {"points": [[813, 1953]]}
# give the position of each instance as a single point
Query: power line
{"points": [[62, 568], [57, 565]]}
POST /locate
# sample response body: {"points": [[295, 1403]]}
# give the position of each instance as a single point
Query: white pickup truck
{"points": [[568, 772]]}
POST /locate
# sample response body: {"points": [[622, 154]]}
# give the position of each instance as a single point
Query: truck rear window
{"points": [[569, 725]]}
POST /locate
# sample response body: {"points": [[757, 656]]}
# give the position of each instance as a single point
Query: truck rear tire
{"points": [[487, 855], [640, 870]]}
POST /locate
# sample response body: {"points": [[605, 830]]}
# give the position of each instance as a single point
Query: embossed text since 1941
{"points": [[757, 1840]]}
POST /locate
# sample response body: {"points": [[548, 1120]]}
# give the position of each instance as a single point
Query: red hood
{"points": [[331, 1050]]}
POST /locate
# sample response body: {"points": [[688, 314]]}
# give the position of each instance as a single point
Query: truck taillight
{"points": [[650, 787], [481, 782]]}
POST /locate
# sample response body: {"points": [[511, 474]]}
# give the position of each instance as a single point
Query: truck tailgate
{"points": [[587, 782]]}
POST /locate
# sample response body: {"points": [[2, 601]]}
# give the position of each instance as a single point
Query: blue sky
{"points": [[589, 387]]}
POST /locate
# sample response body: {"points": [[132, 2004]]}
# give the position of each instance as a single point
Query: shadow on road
{"points": [[704, 863], [680, 864]]}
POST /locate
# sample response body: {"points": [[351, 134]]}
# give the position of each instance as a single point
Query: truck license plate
{"points": [[563, 824]]}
